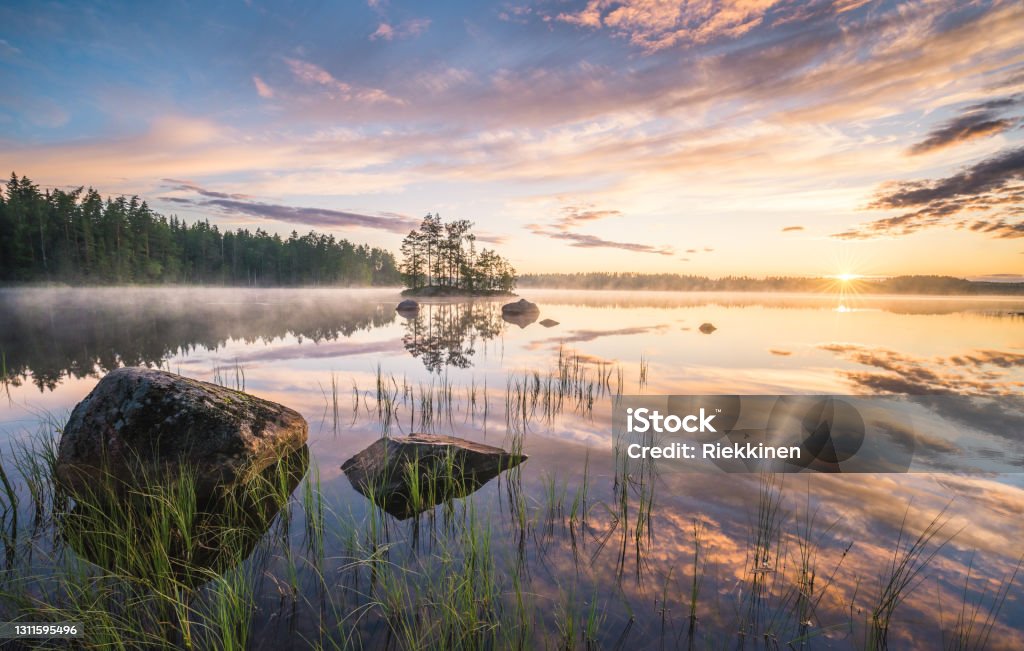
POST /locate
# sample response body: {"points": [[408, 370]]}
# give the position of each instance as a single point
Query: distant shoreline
{"points": [[899, 285], [934, 286]]}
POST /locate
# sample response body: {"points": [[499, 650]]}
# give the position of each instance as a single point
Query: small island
{"points": [[441, 259]]}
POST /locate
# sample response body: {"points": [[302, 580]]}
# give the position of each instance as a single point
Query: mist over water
{"points": [[297, 347]]}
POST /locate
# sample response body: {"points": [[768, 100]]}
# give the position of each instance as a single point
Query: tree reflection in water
{"points": [[47, 335], [446, 334]]}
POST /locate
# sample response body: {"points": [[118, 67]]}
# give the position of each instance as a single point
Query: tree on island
{"points": [[444, 255]]}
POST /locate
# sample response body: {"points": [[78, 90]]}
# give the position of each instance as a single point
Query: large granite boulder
{"points": [[139, 424], [410, 474], [522, 306]]}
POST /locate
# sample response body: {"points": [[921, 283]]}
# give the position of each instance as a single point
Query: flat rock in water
{"points": [[522, 306], [549, 323], [139, 424], [445, 466], [707, 328], [408, 305]]}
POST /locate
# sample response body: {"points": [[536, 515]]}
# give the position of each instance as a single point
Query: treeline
{"points": [[77, 237], [445, 255], [934, 285]]}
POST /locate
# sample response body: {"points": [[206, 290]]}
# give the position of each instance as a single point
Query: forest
{"points": [[441, 257], [79, 238]]}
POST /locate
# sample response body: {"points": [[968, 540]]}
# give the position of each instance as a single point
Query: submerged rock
{"points": [[410, 474], [196, 539], [522, 306], [707, 328], [139, 424], [549, 323], [408, 306]]}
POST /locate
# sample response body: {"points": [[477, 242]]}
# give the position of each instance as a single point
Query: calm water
{"points": [[289, 346]]}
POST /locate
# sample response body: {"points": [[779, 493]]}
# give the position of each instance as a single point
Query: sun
{"points": [[846, 286]]}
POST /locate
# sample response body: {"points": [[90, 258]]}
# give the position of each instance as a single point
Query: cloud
{"points": [[238, 204], [311, 74], [8, 50], [324, 351], [994, 186], [655, 25], [978, 121], [516, 14], [407, 29], [322, 217], [262, 88], [574, 215], [491, 238], [792, 229], [582, 336], [583, 241], [384, 31], [978, 373], [189, 186]]}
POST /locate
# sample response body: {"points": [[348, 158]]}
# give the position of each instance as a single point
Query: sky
{"points": [[712, 137]]}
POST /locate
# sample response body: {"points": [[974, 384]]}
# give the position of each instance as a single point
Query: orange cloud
{"points": [[658, 24]]}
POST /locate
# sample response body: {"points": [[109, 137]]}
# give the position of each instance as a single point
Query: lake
{"points": [[575, 548]]}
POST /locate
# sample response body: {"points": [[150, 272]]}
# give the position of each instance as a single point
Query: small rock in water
{"points": [[707, 328], [549, 323], [408, 305], [139, 424], [446, 467]]}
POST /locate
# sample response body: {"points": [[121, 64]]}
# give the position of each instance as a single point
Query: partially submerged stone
{"points": [[198, 539], [549, 323], [139, 425], [707, 328], [410, 474]]}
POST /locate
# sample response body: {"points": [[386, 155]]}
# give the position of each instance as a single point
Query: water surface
{"points": [[323, 351]]}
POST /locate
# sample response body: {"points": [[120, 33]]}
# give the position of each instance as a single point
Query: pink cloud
{"points": [[313, 75], [407, 29], [384, 31], [262, 88]]}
